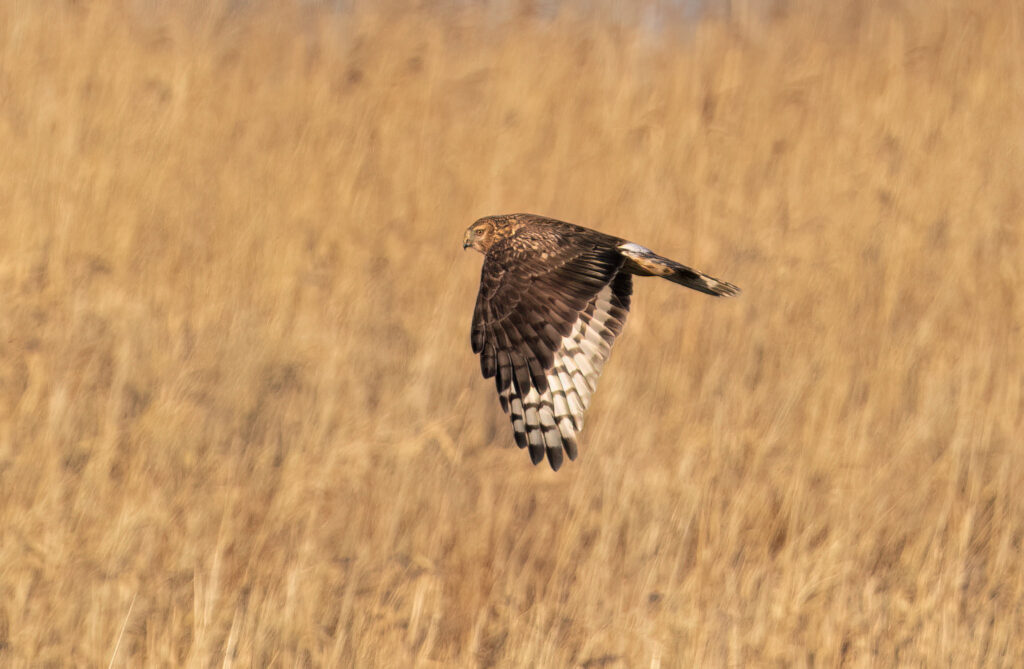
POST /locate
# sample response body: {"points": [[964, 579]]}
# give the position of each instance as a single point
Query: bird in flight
{"points": [[553, 297]]}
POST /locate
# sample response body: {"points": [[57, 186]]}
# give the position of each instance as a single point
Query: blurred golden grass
{"points": [[239, 417]]}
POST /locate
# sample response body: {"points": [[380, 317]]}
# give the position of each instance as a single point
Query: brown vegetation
{"points": [[240, 421]]}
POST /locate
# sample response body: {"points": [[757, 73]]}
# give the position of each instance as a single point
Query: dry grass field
{"points": [[240, 423]]}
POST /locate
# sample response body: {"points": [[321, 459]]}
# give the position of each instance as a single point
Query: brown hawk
{"points": [[553, 297]]}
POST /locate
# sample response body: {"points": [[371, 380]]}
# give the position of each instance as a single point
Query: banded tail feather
{"points": [[645, 262]]}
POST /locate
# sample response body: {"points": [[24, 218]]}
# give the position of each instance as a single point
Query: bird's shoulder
{"points": [[547, 241]]}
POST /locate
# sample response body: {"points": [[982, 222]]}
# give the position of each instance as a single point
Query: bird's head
{"points": [[481, 235]]}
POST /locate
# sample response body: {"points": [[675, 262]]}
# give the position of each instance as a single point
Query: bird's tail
{"points": [[645, 262]]}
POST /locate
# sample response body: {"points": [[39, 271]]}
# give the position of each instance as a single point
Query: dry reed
{"points": [[240, 422]]}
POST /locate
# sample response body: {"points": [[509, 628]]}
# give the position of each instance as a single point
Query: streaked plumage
{"points": [[553, 297]]}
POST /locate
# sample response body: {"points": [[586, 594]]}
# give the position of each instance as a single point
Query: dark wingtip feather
{"points": [[476, 338], [488, 361], [536, 454], [555, 457], [570, 447]]}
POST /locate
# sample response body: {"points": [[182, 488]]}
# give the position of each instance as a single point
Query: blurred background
{"points": [[240, 421]]}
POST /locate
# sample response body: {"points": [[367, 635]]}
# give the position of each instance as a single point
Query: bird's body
{"points": [[553, 297]]}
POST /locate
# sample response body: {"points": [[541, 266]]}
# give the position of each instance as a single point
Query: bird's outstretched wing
{"points": [[551, 302]]}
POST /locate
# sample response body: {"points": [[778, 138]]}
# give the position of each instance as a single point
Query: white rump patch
{"points": [[635, 248]]}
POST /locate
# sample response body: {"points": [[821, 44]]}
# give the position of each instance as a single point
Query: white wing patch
{"points": [[548, 422]]}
